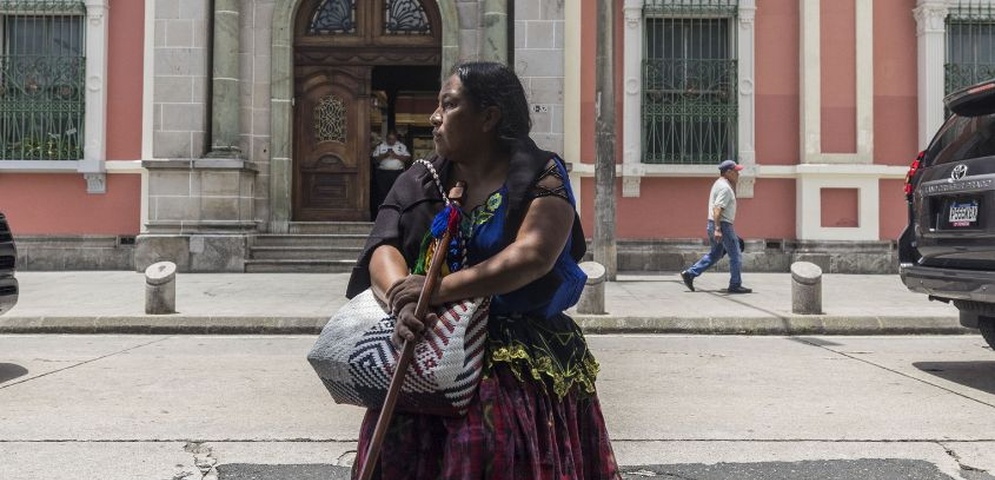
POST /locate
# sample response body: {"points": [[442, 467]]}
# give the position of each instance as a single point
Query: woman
{"points": [[536, 414]]}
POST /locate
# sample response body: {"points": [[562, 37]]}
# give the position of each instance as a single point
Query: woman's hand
{"points": [[404, 291], [410, 328], [402, 299]]}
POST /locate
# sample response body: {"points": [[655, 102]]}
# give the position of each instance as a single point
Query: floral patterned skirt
{"points": [[536, 416]]}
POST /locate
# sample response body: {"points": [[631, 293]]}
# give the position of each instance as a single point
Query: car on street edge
{"points": [[8, 263], [947, 251]]}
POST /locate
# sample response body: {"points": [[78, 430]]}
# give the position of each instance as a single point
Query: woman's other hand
{"points": [[410, 328]]}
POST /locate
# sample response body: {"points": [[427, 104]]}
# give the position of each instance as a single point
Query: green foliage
{"points": [[54, 147]]}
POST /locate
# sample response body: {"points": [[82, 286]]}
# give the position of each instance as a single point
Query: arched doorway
{"points": [[356, 63]]}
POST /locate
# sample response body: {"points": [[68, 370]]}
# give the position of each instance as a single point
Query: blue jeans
{"points": [[730, 245]]}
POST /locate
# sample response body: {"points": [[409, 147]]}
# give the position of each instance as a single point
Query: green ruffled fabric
{"points": [[550, 352]]}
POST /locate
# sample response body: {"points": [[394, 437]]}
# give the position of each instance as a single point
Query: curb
{"points": [[593, 324], [793, 325], [164, 324]]}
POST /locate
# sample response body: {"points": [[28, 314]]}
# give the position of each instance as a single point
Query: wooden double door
{"points": [[332, 144], [337, 44]]}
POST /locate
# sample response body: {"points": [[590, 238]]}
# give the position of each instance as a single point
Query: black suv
{"points": [[948, 249], [8, 260]]}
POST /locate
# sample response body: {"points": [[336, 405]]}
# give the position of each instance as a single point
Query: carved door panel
{"points": [[332, 144]]}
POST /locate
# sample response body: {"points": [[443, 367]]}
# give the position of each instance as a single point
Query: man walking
{"points": [[721, 235]]}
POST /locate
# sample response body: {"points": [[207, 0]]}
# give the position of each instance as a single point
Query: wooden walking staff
{"points": [[408, 349]]}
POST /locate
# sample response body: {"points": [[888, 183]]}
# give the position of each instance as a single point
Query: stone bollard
{"points": [[806, 288], [160, 288], [592, 298]]}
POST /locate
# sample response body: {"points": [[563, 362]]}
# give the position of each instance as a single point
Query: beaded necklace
{"points": [[449, 218]]}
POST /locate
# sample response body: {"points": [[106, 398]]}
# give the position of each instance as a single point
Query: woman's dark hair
{"points": [[492, 84]]}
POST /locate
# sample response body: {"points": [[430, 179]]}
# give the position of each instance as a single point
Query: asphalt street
{"points": [[153, 407]]}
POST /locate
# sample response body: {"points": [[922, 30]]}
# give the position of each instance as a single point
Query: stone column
{"points": [[495, 47], [810, 90], [95, 145], [225, 95], [931, 33], [632, 101], [747, 99]]}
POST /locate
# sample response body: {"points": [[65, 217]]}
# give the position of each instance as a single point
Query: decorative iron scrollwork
{"points": [[333, 17], [330, 120], [406, 17], [42, 72]]}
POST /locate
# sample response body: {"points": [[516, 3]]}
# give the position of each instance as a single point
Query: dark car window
{"points": [[964, 138]]}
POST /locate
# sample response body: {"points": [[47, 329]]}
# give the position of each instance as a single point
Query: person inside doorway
{"points": [[390, 158]]}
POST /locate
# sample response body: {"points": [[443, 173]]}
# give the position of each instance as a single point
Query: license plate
{"points": [[963, 214]]}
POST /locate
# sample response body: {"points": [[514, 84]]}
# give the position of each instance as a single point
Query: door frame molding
{"points": [[282, 94]]}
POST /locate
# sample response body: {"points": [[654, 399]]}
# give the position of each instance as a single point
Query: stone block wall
{"points": [[768, 256], [255, 63], [180, 102], [188, 196], [538, 57], [84, 252]]}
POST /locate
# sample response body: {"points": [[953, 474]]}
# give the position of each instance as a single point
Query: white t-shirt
{"points": [[391, 163], [722, 195]]}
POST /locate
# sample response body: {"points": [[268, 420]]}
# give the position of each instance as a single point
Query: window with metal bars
{"points": [[690, 108], [42, 72], [970, 44]]}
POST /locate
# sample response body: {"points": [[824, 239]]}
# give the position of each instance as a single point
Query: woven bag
{"points": [[355, 358]]}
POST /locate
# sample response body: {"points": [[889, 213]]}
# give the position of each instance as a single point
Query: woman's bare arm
{"points": [[387, 267], [540, 239]]}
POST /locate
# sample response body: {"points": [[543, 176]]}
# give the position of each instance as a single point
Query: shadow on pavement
{"points": [[10, 371], [977, 375], [864, 469], [250, 471]]}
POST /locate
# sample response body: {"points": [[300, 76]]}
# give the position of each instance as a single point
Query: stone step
{"points": [[299, 266], [304, 253], [340, 228], [350, 240]]}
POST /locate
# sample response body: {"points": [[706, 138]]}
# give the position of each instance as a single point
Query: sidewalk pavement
{"points": [[114, 302]]}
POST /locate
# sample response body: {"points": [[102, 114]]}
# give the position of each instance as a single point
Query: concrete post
{"points": [[592, 298], [160, 288], [605, 248], [806, 288]]}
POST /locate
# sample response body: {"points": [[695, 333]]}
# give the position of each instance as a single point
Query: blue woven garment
{"points": [[548, 296]]}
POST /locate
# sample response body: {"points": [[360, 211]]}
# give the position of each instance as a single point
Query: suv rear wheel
{"points": [[987, 327]]}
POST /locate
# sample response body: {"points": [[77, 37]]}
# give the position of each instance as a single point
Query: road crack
{"points": [[968, 472], [80, 364]]}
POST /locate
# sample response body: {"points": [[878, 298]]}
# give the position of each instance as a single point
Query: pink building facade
{"points": [[833, 100], [78, 211], [181, 154]]}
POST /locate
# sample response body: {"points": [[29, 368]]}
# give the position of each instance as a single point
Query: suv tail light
{"points": [[912, 173]]}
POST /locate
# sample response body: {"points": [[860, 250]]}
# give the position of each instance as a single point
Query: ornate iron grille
{"points": [[406, 17], [970, 44], [694, 8], [690, 104], [42, 72], [333, 16], [330, 120]]}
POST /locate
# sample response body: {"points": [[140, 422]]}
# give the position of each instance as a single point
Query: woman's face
{"points": [[458, 126]]}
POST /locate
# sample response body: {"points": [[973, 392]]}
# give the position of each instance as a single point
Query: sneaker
{"points": [[739, 289], [688, 280]]}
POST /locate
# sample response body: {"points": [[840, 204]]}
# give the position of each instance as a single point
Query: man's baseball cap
{"points": [[727, 165]]}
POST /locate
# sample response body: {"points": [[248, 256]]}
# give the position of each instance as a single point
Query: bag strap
{"points": [[435, 176]]}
